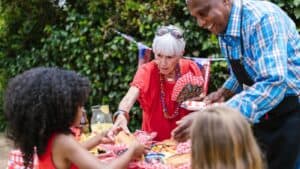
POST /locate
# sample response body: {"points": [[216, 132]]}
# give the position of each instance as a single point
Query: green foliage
{"points": [[292, 7], [2, 86], [23, 23], [81, 37]]}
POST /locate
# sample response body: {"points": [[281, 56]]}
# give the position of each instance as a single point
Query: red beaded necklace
{"points": [[163, 95]]}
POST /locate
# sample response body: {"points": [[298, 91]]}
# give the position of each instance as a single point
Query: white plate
{"points": [[193, 105]]}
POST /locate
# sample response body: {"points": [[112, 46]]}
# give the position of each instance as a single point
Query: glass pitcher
{"points": [[101, 119]]}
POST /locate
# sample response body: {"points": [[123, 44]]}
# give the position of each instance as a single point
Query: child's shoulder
{"points": [[64, 144], [64, 139]]}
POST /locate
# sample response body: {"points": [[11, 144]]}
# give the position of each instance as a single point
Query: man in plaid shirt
{"points": [[262, 47]]}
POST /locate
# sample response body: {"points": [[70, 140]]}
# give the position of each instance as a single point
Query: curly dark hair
{"points": [[40, 102]]}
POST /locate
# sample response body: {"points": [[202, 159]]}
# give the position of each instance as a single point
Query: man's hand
{"points": [[218, 96], [182, 132], [198, 98]]}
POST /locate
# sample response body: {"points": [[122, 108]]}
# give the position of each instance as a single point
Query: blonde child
{"points": [[222, 139]]}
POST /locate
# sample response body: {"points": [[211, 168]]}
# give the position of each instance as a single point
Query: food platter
{"points": [[167, 154]]}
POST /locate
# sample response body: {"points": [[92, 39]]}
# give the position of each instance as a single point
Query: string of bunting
{"points": [[142, 47]]}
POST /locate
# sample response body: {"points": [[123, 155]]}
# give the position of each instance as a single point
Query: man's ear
{"points": [[226, 2]]}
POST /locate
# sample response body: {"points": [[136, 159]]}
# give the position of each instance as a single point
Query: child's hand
{"points": [[113, 132], [182, 132], [103, 138], [137, 149], [96, 139]]}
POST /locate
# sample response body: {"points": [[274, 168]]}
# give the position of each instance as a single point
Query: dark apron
{"points": [[278, 132]]}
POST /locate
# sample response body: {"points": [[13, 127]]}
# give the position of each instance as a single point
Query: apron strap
{"points": [[240, 72]]}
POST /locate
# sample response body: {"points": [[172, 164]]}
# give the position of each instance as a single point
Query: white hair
{"points": [[168, 45]]}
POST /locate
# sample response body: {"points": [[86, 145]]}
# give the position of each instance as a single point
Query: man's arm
{"points": [[268, 42], [232, 84]]}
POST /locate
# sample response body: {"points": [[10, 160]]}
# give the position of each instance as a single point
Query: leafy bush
{"points": [[2, 86], [81, 37]]}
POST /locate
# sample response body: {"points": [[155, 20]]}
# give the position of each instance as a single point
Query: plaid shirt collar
{"points": [[234, 23]]}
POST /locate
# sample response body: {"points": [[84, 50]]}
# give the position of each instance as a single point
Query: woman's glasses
{"points": [[174, 32]]}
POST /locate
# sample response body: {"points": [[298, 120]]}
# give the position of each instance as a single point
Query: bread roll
{"points": [[124, 138]]}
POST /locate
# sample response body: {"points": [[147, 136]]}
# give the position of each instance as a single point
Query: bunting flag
{"points": [[204, 65], [145, 54], [127, 37]]}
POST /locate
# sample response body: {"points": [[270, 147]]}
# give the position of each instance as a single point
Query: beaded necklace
{"points": [[163, 95]]}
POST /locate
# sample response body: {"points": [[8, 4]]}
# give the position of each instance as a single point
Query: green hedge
{"points": [[80, 37]]}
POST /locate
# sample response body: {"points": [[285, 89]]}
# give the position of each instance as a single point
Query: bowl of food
{"points": [[154, 158]]}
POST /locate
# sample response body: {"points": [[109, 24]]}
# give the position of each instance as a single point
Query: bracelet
{"points": [[118, 112]]}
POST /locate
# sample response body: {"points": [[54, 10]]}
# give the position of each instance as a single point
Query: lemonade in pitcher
{"points": [[100, 127], [101, 119]]}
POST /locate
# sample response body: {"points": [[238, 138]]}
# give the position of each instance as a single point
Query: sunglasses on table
{"points": [[174, 32]]}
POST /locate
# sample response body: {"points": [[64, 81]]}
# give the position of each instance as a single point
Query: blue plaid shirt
{"points": [[271, 56]]}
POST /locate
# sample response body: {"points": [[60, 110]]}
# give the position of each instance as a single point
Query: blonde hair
{"points": [[168, 45], [223, 139]]}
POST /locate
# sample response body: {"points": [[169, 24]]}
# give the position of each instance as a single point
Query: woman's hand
{"points": [[121, 122], [125, 105], [119, 125]]}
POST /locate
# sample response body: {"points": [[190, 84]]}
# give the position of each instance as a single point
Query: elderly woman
{"points": [[153, 85]]}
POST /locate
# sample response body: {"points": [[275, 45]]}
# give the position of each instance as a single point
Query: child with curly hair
{"points": [[222, 139], [41, 105]]}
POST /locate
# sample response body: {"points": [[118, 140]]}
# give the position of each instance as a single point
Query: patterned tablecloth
{"points": [[167, 154]]}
